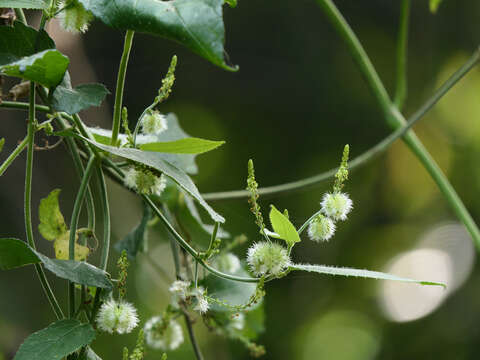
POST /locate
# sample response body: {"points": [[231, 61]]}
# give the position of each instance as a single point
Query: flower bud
{"points": [[120, 317], [159, 336], [154, 123], [321, 228], [267, 258], [336, 205]]}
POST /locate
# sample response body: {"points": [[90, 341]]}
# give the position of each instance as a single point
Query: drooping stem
{"points": [[28, 203], [395, 119], [106, 219], [117, 111], [73, 227], [13, 155], [402, 54]]}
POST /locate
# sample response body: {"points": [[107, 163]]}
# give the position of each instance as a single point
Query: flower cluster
{"points": [[267, 258], [145, 181], [182, 290], [154, 123], [120, 317]]}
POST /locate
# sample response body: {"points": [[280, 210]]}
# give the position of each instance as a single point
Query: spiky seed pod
{"points": [[154, 123], [321, 228], [267, 258], [120, 317], [227, 262], [336, 205], [159, 336]]}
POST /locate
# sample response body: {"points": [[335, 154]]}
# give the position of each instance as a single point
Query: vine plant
{"points": [[154, 161]]}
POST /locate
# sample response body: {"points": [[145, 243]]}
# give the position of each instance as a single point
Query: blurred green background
{"points": [[297, 99]]}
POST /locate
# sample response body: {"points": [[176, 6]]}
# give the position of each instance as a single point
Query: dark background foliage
{"points": [[297, 99]]}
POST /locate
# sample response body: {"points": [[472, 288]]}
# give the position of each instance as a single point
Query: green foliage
{"points": [[72, 101], [56, 341], [152, 160], [2, 142], [183, 146], [19, 40], [15, 253], [343, 271], [52, 224], [434, 4], [196, 24], [46, 68], [136, 240], [25, 4], [283, 227]]}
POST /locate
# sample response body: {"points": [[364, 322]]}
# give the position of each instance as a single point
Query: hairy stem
{"points": [[117, 111], [402, 53], [28, 203], [13, 155]]}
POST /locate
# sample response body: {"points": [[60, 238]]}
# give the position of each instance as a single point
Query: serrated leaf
{"points": [[52, 224], [69, 100], [24, 4], [56, 341], [136, 239], [343, 271], [20, 40], [232, 293], [78, 272], [434, 4], [46, 68], [283, 227], [15, 253], [151, 159], [183, 146], [196, 24]]}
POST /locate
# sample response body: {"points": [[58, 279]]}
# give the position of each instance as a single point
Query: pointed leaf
{"points": [[342, 271], [136, 239], [183, 146], [72, 101], [20, 40], [15, 253], [283, 227], [196, 24], [78, 272], [25, 4], [56, 341], [52, 224], [151, 159]]}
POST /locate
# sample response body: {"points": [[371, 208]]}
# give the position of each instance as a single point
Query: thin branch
{"points": [[18, 150], [402, 54]]}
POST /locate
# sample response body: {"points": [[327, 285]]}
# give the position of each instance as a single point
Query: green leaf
{"points": [[233, 293], [20, 40], [46, 68], [232, 3], [15, 253], [183, 146], [151, 159], [25, 4], [52, 224], [342, 271], [78, 272], [90, 355], [72, 101], [2, 142], [283, 227], [196, 24], [136, 240], [434, 4], [56, 341]]}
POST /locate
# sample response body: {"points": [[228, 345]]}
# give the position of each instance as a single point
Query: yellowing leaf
{"points": [[61, 248], [52, 224]]}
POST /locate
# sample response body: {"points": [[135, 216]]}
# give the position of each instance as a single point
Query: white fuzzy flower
{"points": [[202, 303], [321, 228], [145, 181], [120, 317], [267, 258], [180, 288], [157, 336], [154, 123], [227, 263], [159, 185], [336, 205], [130, 179]]}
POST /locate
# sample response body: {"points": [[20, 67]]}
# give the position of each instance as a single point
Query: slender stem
{"points": [[395, 119], [73, 227], [193, 340], [402, 53], [117, 111], [21, 15], [310, 219], [28, 203], [364, 157], [16, 105], [13, 155], [106, 219]]}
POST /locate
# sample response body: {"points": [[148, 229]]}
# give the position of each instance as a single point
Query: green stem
{"points": [[28, 203], [117, 111], [16, 105], [106, 219], [21, 15], [73, 227], [364, 157], [193, 340], [402, 53], [395, 119], [13, 155], [310, 219]]}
